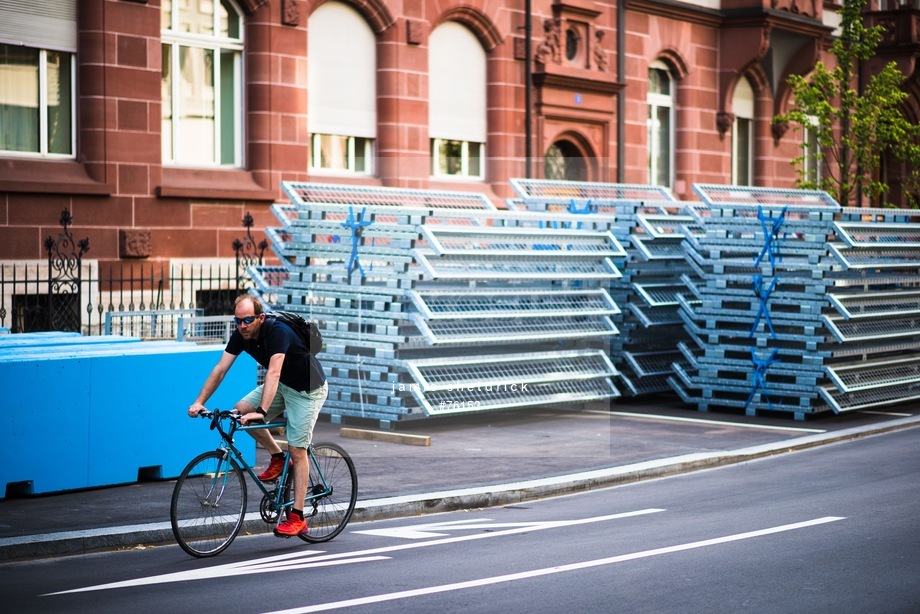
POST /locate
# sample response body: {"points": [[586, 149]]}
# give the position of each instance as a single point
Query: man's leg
{"points": [[262, 436], [302, 411], [301, 475]]}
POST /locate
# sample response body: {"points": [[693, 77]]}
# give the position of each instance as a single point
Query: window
{"points": [[342, 90], [458, 158], [457, 102], [743, 134], [202, 83], [811, 150], [38, 43], [660, 125], [337, 152]]}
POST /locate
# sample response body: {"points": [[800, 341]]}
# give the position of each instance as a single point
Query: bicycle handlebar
{"points": [[217, 415]]}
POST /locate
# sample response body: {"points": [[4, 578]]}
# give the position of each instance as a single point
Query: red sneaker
{"points": [[292, 525], [275, 468]]}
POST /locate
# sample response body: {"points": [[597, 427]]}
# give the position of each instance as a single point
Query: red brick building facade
{"points": [[154, 166]]}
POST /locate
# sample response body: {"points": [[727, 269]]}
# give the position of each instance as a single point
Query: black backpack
{"points": [[308, 330]]}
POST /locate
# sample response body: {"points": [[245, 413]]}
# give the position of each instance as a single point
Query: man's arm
{"points": [[212, 383], [269, 387]]}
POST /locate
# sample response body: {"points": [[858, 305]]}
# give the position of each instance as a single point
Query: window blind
{"points": [[456, 84], [45, 24], [341, 73]]}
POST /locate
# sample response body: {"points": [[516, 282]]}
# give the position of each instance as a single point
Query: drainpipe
{"points": [[528, 88], [621, 95]]}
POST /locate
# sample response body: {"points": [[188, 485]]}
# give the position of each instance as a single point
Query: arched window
{"points": [[743, 134], [456, 102], [202, 83], [341, 90], [38, 44], [564, 161], [660, 125]]}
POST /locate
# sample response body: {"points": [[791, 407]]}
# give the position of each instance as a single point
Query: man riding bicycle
{"points": [[294, 382]]}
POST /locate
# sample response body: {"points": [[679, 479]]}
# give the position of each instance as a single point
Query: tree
{"points": [[862, 127]]}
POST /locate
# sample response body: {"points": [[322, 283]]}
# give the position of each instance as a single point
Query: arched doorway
{"points": [[565, 161]]}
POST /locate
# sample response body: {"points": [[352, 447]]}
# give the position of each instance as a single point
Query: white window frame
{"points": [[811, 148], [43, 112], [743, 131], [655, 102], [215, 45], [351, 157], [465, 172]]}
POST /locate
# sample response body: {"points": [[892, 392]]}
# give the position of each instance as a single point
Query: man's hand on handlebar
{"points": [[195, 409], [251, 418]]}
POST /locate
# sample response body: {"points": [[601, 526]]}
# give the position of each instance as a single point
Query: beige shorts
{"points": [[300, 408]]}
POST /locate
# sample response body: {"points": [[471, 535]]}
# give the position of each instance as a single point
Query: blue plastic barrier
{"points": [[112, 411]]}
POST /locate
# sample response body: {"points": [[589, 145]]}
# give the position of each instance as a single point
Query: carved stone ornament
{"points": [[134, 243], [290, 12], [779, 130], [797, 7], [551, 47], [414, 32], [724, 123], [600, 56]]}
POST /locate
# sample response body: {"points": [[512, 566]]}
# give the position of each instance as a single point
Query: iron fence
{"points": [[31, 301], [69, 293]]}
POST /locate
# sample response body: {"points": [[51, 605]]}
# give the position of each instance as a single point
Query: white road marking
{"points": [[794, 429], [556, 569], [438, 529], [297, 560]]}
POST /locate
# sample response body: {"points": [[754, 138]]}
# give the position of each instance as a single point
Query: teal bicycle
{"points": [[209, 500]]}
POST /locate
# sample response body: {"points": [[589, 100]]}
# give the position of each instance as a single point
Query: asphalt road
{"points": [[829, 529]]}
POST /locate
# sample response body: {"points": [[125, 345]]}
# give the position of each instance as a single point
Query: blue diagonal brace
{"points": [[763, 294], [356, 226], [760, 376], [771, 237]]}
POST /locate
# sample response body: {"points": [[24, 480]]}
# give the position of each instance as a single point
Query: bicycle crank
{"points": [[267, 508]]}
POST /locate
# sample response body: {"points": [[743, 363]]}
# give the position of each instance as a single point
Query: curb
{"points": [[144, 535]]}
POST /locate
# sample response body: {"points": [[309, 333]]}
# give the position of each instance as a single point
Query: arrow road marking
{"points": [[444, 588], [303, 560]]}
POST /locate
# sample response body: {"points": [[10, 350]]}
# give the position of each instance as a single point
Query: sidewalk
{"points": [[472, 461]]}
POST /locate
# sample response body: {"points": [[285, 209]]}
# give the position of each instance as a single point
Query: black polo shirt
{"points": [[301, 371]]}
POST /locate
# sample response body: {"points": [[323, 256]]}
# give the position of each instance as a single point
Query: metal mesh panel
{"points": [[722, 195], [457, 373], [520, 242], [864, 399], [477, 330], [877, 258], [862, 329], [877, 303], [880, 374], [512, 303], [874, 234], [534, 267], [447, 402], [151, 324], [205, 330], [302, 193], [551, 190]]}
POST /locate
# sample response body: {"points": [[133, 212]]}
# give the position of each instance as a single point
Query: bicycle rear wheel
{"points": [[327, 514], [208, 504]]}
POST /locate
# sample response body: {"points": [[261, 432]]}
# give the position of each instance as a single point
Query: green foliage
{"points": [[853, 129]]}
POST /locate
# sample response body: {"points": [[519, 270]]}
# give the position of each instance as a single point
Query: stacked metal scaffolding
{"points": [[436, 303], [874, 322], [765, 268], [651, 224]]}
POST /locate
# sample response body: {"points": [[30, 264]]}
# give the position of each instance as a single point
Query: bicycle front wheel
{"points": [[332, 494], [208, 504]]}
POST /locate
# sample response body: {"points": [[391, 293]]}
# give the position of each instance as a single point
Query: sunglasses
{"points": [[247, 320]]}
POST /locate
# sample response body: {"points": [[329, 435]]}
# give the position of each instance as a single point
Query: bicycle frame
{"points": [[228, 448]]}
